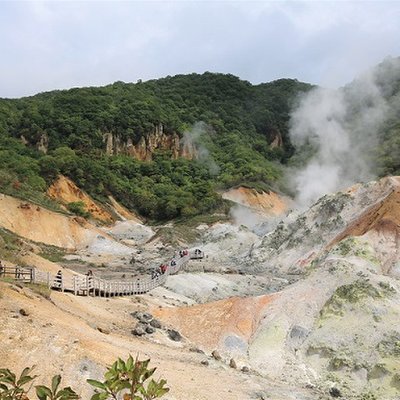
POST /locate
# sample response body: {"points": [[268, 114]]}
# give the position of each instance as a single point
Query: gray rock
{"points": [[174, 335], [147, 316], [299, 333], [196, 350], [297, 336], [155, 323], [144, 317], [335, 392], [139, 331], [232, 363], [137, 314], [150, 329], [233, 342], [205, 362], [245, 369]]}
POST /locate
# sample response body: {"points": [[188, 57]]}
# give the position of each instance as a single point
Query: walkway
{"points": [[93, 286]]}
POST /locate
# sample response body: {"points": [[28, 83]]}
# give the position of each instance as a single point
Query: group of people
{"points": [[183, 253], [161, 270]]}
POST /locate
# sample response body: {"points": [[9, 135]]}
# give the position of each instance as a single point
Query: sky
{"points": [[63, 44]]}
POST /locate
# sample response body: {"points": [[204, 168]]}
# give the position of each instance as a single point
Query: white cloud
{"points": [[55, 44]]}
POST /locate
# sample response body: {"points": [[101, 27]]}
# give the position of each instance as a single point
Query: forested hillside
{"points": [[164, 147], [161, 147]]}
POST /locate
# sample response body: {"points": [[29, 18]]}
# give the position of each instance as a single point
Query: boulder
{"points": [[232, 363], [139, 330], [216, 355], [24, 312], [174, 335], [147, 316], [335, 392], [149, 329], [196, 350], [155, 323], [137, 314]]}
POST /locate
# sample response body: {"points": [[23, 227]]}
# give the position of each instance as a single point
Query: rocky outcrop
{"points": [[276, 140], [188, 150], [144, 149], [43, 143]]}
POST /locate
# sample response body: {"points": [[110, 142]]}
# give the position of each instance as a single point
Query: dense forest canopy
{"points": [[239, 122], [241, 138]]}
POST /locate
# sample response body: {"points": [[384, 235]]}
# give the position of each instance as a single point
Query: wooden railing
{"points": [[18, 273], [91, 285]]}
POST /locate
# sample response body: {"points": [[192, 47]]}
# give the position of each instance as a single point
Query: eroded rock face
{"points": [[276, 140], [157, 139], [43, 143]]}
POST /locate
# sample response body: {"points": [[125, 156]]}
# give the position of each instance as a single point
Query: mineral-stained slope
{"points": [[364, 209], [336, 324]]}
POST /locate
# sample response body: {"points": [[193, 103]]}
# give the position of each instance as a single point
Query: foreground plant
{"points": [[44, 393], [123, 380], [12, 387], [128, 380]]}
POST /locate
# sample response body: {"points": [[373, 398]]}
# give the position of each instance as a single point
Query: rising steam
{"points": [[192, 144], [341, 126]]}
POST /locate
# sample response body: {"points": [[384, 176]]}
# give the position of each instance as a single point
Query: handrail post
{"points": [[74, 284]]}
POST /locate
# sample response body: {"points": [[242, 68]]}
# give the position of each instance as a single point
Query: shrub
{"points": [[78, 208], [128, 379], [124, 379]]}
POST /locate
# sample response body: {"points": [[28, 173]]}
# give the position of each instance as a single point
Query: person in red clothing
{"points": [[163, 268]]}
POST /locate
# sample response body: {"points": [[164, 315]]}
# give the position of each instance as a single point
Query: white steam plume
{"points": [[192, 145], [253, 220], [342, 127]]}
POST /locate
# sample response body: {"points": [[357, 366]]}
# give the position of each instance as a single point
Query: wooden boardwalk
{"points": [[92, 286]]}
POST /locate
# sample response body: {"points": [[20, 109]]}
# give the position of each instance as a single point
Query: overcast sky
{"points": [[54, 45]]}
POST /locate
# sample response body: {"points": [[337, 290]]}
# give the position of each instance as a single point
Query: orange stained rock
{"points": [[44, 226], [64, 190], [267, 202], [208, 324], [383, 216]]}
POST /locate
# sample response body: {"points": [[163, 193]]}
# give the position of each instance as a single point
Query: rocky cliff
{"points": [[143, 150]]}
